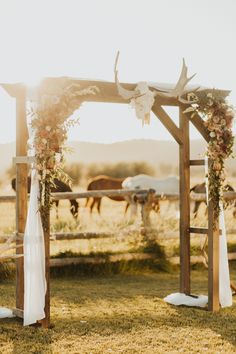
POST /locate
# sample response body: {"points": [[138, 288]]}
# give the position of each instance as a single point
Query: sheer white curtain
{"points": [[34, 257]]}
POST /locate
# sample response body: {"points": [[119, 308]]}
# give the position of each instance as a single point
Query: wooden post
{"points": [[46, 228], [213, 259], [184, 173], [21, 189]]}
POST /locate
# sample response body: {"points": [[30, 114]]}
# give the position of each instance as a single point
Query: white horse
{"points": [[169, 185]]}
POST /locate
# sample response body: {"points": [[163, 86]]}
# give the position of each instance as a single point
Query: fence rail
{"points": [[61, 262], [198, 197]]}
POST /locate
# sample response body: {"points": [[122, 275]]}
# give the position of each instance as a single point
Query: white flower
{"points": [[189, 109], [48, 128], [44, 141], [212, 134]]}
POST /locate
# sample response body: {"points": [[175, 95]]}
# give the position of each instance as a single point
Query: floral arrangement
{"points": [[218, 118], [50, 120]]}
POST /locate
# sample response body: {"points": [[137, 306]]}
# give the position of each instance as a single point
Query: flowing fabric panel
{"points": [[34, 259]]}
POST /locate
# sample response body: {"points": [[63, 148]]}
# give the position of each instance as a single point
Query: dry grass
{"points": [[121, 314], [112, 220]]}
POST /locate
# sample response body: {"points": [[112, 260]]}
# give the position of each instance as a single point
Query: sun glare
{"points": [[33, 80]]}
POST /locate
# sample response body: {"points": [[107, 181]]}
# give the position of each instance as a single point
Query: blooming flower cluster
{"points": [[50, 120], [218, 118]]}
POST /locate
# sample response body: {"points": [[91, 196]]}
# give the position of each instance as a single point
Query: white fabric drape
{"points": [[225, 293], [182, 299], [5, 312], [34, 259]]}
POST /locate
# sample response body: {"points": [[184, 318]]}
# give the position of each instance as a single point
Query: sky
{"points": [[40, 38]]}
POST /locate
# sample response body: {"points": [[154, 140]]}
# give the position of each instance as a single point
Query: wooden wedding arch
{"points": [[108, 94]]}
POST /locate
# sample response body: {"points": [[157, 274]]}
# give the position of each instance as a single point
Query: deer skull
{"points": [[142, 98]]}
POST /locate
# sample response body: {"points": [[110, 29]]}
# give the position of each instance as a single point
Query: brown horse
{"points": [[201, 188], [103, 182], [59, 186]]}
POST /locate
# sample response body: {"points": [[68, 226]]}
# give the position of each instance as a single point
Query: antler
{"points": [[126, 94], [179, 89]]}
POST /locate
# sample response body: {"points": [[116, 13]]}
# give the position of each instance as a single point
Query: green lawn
{"points": [[121, 314]]}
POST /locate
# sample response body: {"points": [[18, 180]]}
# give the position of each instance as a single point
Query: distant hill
{"points": [[154, 152]]}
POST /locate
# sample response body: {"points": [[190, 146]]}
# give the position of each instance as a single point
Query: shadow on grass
{"points": [[14, 338], [120, 305]]}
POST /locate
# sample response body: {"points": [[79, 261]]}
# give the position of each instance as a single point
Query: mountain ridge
{"points": [[153, 152]]}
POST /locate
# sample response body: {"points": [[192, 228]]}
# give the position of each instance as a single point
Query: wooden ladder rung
{"points": [[200, 230], [197, 162]]}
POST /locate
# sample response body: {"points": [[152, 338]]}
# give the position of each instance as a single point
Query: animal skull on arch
{"points": [[142, 98]]}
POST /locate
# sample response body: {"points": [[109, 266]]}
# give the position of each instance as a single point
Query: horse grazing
{"points": [[201, 189], [104, 182], [169, 185], [59, 187]]}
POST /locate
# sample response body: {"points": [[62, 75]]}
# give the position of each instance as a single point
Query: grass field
{"points": [[121, 314], [113, 221]]}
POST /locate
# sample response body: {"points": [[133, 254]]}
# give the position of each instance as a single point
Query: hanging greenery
{"points": [[50, 121], [218, 118]]}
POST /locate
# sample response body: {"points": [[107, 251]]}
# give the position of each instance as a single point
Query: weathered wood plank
{"points": [[107, 90], [200, 197], [46, 228], [98, 194], [197, 162], [184, 171], [200, 230], [213, 260], [21, 190], [58, 262], [80, 235]]}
